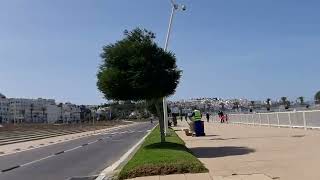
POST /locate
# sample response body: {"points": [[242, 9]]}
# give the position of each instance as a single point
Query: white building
{"points": [[20, 110], [28, 110], [53, 113], [4, 109], [69, 113]]}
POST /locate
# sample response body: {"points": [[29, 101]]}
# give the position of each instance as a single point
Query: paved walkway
{"points": [[240, 152]]}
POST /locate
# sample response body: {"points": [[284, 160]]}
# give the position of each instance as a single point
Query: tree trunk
{"points": [[161, 123]]}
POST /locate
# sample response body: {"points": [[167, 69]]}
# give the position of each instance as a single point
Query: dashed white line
{"points": [[93, 142], [73, 149], [37, 160]]}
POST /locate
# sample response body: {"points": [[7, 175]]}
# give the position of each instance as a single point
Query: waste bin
{"points": [[199, 128]]}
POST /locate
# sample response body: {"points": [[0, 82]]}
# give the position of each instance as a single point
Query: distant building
{"points": [[70, 113], [4, 109], [28, 110], [53, 113], [21, 110]]}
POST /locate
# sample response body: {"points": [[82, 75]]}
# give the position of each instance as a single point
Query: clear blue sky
{"points": [[248, 48]]}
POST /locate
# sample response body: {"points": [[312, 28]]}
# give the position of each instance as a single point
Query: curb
{"points": [[107, 171]]}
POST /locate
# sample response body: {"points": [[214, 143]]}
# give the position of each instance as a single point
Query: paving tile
{"points": [[148, 178], [221, 173], [200, 176], [257, 177], [237, 177], [217, 178], [173, 177]]}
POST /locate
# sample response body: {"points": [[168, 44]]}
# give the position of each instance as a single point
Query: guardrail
{"points": [[291, 119]]}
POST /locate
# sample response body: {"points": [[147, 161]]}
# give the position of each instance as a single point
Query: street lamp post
{"points": [[175, 7]]}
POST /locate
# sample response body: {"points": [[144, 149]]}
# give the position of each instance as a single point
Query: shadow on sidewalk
{"points": [[211, 135], [213, 152]]}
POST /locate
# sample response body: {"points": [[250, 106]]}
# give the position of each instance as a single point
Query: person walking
{"points": [[221, 116], [208, 116], [226, 118]]}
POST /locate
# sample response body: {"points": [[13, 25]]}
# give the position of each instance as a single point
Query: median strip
{"points": [[156, 158]]}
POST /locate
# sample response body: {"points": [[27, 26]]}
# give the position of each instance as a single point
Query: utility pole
{"points": [[175, 7]]}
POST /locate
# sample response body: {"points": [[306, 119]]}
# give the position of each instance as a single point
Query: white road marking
{"points": [[73, 149], [93, 142], [37, 160]]}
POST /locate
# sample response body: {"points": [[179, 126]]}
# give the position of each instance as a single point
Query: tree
{"points": [[317, 97], [31, 111], [252, 106], [222, 104], [136, 68], [268, 104], [284, 100], [287, 105], [23, 112], [301, 100], [236, 105], [43, 109], [61, 112]]}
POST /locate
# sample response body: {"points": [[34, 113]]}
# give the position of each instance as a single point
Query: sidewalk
{"points": [[239, 152]]}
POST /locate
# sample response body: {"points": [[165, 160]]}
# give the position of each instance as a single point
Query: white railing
{"points": [[291, 119]]}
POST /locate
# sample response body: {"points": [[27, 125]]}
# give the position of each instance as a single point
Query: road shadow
{"points": [[214, 152]]}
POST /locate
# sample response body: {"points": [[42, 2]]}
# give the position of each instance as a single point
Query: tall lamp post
{"points": [[175, 7]]}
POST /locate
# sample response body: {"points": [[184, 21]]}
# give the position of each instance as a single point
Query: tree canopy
{"points": [[317, 97], [284, 100], [136, 68], [301, 100]]}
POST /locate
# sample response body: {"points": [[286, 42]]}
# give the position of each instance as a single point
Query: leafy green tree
{"points": [[252, 106], [301, 100], [317, 97], [136, 68], [284, 100], [287, 105]]}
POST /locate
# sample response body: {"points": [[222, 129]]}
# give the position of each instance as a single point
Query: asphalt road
{"points": [[83, 157]]}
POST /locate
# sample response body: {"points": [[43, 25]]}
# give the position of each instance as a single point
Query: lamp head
{"points": [[183, 7]]}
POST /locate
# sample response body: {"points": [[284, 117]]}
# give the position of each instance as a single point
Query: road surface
{"points": [[77, 158]]}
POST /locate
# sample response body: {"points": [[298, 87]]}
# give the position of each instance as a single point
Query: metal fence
{"points": [[291, 119]]}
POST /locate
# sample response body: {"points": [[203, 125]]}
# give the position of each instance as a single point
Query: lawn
{"points": [[155, 158]]}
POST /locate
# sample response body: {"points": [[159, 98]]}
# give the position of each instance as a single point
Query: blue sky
{"points": [[248, 48]]}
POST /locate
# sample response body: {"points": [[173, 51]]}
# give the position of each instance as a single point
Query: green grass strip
{"points": [[155, 158]]}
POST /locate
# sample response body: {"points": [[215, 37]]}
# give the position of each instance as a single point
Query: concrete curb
{"points": [[123, 158]]}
